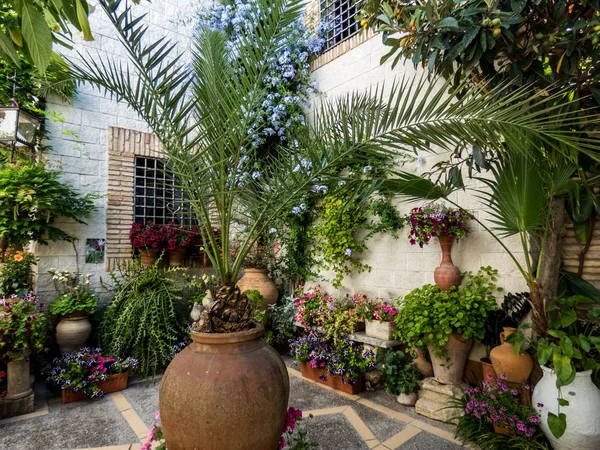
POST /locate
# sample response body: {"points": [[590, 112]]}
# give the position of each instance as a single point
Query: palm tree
{"points": [[202, 111]]}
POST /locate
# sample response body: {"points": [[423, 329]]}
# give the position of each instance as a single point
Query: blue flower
{"points": [[348, 252]]}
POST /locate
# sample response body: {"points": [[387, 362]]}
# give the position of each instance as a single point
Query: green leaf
{"points": [[564, 369], [563, 402], [557, 424], [37, 35], [447, 22], [8, 49], [583, 230], [568, 317], [82, 17]]}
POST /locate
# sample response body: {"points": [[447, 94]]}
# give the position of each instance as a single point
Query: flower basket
{"points": [[114, 383], [332, 381], [380, 329]]}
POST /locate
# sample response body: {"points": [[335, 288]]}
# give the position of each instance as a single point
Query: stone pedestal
{"points": [[436, 400], [15, 406]]}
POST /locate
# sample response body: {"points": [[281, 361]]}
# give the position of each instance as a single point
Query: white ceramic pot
{"points": [[583, 412], [407, 399], [72, 333]]}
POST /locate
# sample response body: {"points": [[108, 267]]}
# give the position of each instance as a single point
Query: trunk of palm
{"points": [[538, 307], [231, 311]]}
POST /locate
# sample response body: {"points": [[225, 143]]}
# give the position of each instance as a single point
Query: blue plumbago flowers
{"points": [[81, 371], [287, 84], [343, 359]]}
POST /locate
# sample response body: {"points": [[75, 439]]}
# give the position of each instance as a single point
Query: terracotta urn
{"points": [[504, 360], [148, 257], [258, 280], [73, 332], [225, 391], [489, 374], [449, 369], [447, 274], [177, 257]]}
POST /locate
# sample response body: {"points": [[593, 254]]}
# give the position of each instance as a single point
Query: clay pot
{"points": [[422, 363], [500, 428], [407, 399], [489, 374], [18, 382], [73, 332], [225, 391], [258, 280], [450, 369], [148, 257], [516, 367], [177, 257], [447, 274], [583, 412]]}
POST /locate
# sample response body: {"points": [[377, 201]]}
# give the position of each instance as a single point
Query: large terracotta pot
{"points": [[148, 257], [489, 374], [18, 382], [225, 391], [73, 332], [583, 412], [504, 360], [258, 280], [450, 369], [447, 274], [177, 257]]}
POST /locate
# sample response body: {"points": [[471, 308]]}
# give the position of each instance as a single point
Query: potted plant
{"points": [[379, 319], [178, 240], [447, 224], [566, 397], [256, 273], [149, 239], [16, 273], [73, 305], [447, 322], [87, 373], [310, 306], [339, 365], [401, 376], [340, 317], [23, 331]]}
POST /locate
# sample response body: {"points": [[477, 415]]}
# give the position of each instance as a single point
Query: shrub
{"points": [[142, 319], [428, 315], [400, 375], [15, 274]]}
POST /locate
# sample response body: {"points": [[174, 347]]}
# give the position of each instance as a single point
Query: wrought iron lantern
{"points": [[17, 127]]}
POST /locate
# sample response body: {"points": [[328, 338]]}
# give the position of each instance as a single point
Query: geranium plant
{"points": [[178, 236], [23, 327], [434, 219], [74, 295], [429, 315], [497, 403], [15, 273], [81, 371], [344, 358], [377, 309], [310, 304], [148, 236]]}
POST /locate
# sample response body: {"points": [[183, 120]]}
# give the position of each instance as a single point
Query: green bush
{"points": [[428, 315], [400, 375], [143, 319]]}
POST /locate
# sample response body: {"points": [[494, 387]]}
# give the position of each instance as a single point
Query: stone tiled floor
{"points": [[371, 420]]}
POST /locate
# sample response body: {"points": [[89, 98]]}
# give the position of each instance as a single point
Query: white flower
{"points": [[348, 252], [272, 230]]}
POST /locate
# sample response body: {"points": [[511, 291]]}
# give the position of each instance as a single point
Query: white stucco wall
{"points": [[398, 267], [80, 142]]}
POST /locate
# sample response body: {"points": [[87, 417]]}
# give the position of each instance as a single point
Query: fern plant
{"points": [[142, 320]]}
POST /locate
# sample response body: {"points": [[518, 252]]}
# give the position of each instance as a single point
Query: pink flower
{"points": [[157, 415]]}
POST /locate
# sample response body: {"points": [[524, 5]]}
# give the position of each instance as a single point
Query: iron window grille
{"points": [[339, 16], [156, 197]]}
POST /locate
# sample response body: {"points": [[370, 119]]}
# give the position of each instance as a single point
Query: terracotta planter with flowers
{"points": [[447, 275], [114, 383], [333, 381], [179, 239], [148, 257], [150, 239]]}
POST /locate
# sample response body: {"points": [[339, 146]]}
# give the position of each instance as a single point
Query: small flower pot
{"points": [[177, 257], [114, 383], [332, 381], [407, 399], [500, 428], [148, 257], [379, 329]]}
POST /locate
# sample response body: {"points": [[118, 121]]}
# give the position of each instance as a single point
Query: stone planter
{"points": [[148, 257], [583, 412], [516, 367], [258, 280], [177, 257], [407, 399], [447, 274], [225, 391], [114, 383], [450, 369], [19, 394], [380, 330], [73, 332], [332, 381]]}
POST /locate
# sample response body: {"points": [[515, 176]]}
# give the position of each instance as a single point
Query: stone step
{"points": [[438, 410], [449, 390]]}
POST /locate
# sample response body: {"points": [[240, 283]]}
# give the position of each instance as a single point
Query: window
{"points": [[156, 198], [340, 15]]}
